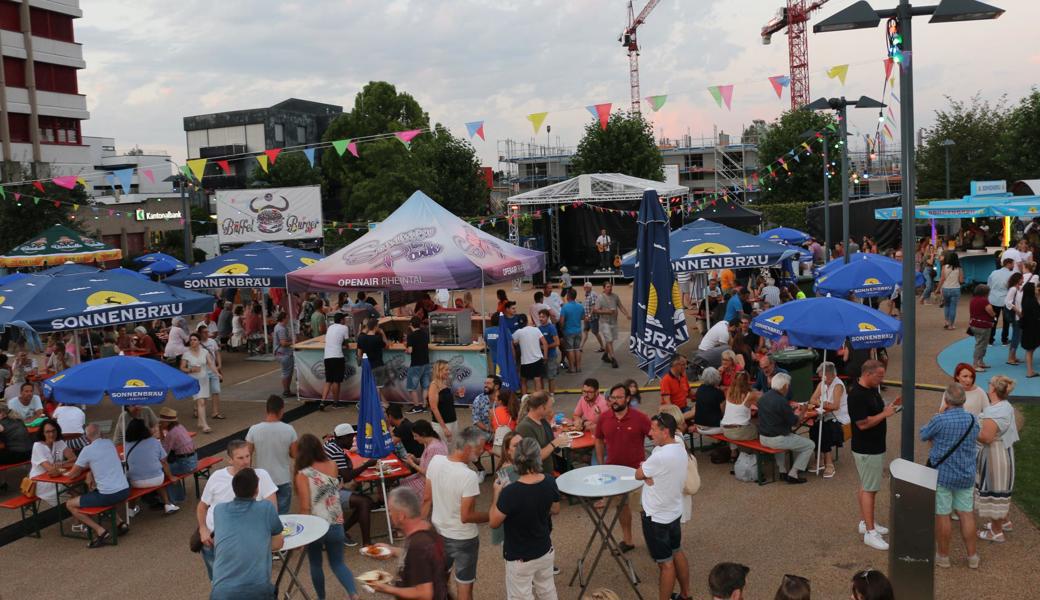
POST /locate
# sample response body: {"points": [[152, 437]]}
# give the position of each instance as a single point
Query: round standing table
{"points": [[299, 530], [613, 483]]}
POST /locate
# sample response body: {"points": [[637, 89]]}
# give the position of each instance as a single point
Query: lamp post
{"points": [[840, 105], [182, 181], [946, 149]]}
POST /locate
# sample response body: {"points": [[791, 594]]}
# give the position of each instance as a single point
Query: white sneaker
{"points": [[875, 541], [171, 508], [973, 561], [877, 527], [942, 561], [133, 510]]}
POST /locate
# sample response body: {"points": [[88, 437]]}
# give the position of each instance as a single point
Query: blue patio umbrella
{"points": [[839, 262], [154, 256], [865, 279], [827, 322], [163, 266], [125, 379], [373, 440], [256, 265], [125, 271], [658, 320], [785, 235], [505, 358], [12, 277]]}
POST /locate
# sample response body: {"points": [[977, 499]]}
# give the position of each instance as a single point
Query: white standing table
{"points": [[299, 530]]}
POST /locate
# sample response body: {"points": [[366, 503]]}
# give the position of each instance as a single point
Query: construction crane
{"points": [[628, 40], [794, 17]]}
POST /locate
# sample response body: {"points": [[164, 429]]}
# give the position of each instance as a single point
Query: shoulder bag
{"points": [[929, 463], [693, 477]]}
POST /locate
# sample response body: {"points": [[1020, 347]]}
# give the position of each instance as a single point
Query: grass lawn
{"points": [[1027, 469]]}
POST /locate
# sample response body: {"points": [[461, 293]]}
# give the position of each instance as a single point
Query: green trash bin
{"points": [[798, 363]]}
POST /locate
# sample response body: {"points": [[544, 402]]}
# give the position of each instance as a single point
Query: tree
{"points": [[371, 187], [290, 170], [804, 180], [1021, 142], [626, 146], [977, 130], [20, 219]]}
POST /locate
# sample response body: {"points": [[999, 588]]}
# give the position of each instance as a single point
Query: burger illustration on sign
{"points": [[269, 212]]}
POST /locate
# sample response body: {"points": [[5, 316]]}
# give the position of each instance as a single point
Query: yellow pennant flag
{"points": [[839, 71], [262, 159], [537, 119], [198, 167]]}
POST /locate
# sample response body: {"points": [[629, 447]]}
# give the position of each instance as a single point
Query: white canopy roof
{"points": [[597, 187]]}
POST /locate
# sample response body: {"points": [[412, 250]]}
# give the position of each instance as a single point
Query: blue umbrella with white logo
{"points": [[373, 434], [125, 379], [870, 278], [785, 235], [163, 266], [505, 358]]}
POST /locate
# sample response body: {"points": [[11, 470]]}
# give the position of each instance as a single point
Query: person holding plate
{"points": [[423, 574]]}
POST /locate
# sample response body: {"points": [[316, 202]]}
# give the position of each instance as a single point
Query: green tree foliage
{"points": [[1022, 140], [979, 131], [626, 146], [452, 172], [805, 183], [290, 170], [21, 219]]}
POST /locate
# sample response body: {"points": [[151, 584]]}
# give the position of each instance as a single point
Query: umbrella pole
{"points": [[292, 335], [819, 441], [263, 309], [389, 526]]}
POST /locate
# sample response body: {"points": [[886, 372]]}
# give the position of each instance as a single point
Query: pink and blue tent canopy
{"points": [[421, 246]]}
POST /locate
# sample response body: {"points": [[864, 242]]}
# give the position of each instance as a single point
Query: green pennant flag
{"points": [[186, 171], [340, 146], [36, 200], [3, 193], [656, 102]]}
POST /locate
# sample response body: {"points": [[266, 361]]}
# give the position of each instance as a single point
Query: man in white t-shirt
{"points": [[274, 443], [27, 406], [71, 420], [603, 243], [533, 350], [218, 490], [450, 502], [664, 475], [335, 363], [1019, 253], [716, 337]]}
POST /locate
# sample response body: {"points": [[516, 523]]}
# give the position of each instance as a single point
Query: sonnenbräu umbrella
{"points": [[373, 439], [838, 263], [125, 271], [505, 358], [864, 279], [163, 266], [125, 379], [12, 277], [658, 321], [827, 323], [154, 256], [785, 235]]}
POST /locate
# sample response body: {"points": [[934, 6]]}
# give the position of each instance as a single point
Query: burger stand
{"points": [[987, 200], [420, 247]]}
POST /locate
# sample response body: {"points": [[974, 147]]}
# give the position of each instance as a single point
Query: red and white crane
{"points": [[794, 17], [628, 40]]}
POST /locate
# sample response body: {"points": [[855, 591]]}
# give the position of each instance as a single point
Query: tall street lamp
{"points": [[841, 105], [182, 182], [946, 148], [860, 15]]}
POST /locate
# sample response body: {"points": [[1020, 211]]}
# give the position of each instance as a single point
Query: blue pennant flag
{"points": [[309, 153], [125, 177]]}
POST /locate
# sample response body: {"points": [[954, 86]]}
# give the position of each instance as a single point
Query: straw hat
{"points": [[167, 414], [563, 269]]}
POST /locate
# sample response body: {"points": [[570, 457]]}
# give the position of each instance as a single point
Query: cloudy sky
{"points": [[152, 62]]}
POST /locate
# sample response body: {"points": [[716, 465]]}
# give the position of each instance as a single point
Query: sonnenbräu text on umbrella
{"points": [[118, 315], [652, 344], [708, 262]]}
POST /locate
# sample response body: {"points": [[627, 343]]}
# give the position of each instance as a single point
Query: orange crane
{"points": [[794, 17], [628, 40]]}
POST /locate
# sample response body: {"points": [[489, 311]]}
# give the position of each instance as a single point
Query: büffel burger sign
{"points": [[269, 214]]}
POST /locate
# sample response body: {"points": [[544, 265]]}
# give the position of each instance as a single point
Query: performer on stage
{"points": [[603, 243]]}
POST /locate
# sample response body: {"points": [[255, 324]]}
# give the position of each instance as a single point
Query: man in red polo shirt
{"points": [[675, 387], [622, 432]]}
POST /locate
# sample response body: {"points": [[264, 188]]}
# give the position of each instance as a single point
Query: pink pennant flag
{"points": [[406, 136], [722, 94], [68, 181], [352, 148], [602, 112], [148, 174], [38, 185], [17, 196], [888, 67], [779, 82], [272, 154], [223, 164]]}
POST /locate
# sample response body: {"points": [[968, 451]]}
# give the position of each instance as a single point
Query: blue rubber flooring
{"points": [[996, 357]]}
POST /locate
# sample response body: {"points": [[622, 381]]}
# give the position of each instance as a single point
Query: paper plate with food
{"points": [[375, 551]]}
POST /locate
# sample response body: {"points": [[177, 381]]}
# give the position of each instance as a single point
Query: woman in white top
{"points": [[834, 398], [1013, 302], [975, 398], [995, 476], [736, 421], [198, 362], [951, 280], [49, 455], [176, 339], [238, 328]]}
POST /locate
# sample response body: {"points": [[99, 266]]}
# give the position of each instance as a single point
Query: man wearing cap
{"points": [[357, 506]]}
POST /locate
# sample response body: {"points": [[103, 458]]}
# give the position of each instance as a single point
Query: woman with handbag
{"points": [[995, 478], [49, 455]]}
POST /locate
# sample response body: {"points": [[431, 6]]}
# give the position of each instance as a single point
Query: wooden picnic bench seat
{"points": [[763, 454], [13, 465], [28, 507]]}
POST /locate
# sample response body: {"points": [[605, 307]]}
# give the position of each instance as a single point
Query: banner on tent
{"points": [[269, 215]]}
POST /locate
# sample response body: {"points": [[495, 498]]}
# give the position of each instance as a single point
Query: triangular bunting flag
{"points": [[36, 200], [75, 207], [3, 193], [148, 174], [656, 102], [309, 153], [352, 148], [839, 71], [184, 170], [223, 164], [779, 82], [888, 67], [475, 128], [894, 97], [125, 177], [198, 167], [888, 132], [17, 196], [537, 119], [57, 204], [272, 154], [722, 94], [81, 181], [38, 185], [340, 146], [406, 137], [68, 181], [905, 63], [601, 112], [262, 159]]}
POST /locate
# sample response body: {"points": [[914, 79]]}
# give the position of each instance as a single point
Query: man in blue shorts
{"points": [[111, 486]]}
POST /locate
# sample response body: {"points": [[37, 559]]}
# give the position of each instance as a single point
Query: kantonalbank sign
{"points": [[143, 215], [116, 315]]}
